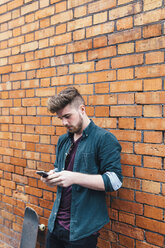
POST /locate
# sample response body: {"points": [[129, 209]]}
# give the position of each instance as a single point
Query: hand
{"points": [[64, 178]]}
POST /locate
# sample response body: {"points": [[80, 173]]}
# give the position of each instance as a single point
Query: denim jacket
{"points": [[98, 153]]}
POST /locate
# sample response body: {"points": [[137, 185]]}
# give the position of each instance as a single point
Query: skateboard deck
{"points": [[30, 229]]}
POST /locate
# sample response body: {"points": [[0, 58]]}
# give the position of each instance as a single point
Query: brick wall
{"points": [[113, 52]]}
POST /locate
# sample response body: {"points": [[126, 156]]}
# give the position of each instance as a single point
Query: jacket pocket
{"points": [[89, 163]]}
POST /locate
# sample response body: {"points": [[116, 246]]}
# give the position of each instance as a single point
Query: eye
{"points": [[67, 116]]}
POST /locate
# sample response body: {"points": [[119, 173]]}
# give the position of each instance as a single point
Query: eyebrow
{"points": [[63, 115]]}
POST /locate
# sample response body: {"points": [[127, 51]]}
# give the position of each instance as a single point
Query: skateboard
{"points": [[30, 229]]}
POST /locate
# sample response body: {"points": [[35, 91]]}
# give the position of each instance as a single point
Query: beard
{"points": [[77, 128]]}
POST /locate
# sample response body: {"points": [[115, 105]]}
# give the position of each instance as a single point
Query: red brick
{"points": [[153, 212], [6, 17], [154, 238], [100, 18], [42, 73], [153, 137], [80, 57], [100, 42], [102, 53], [126, 110], [150, 44], [30, 27], [80, 23], [126, 122], [153, 84], [100, 29], [127, 147], [102, 100], [126, 48], [61, 18], [60, 7], [150, 98], [105, 123], [124, 11], [150, 224], [126, 98], [101, 5], [30, 83], [83, 67], [148, 186], [154, 57], [3, 9], [80, 46], [131, 159], [45, 12], [62, 70], [128, 230], [125, 23], [127, 242], [79, 34], [102, 76], [8, 184], [143, 244], [60, 29], [150, 174], [102, 87], [18, 161], [44, 33], [61, 60], [152, 111], [150, 124], [152, 30], [152, 162], [124, 36], [102, 111], [124, 74], [80, 11], [33, 191], [127, 217], [152, 5], [29, 8], [61, 39], [31, 46], [128, 135], [149, 17], [31, 155], [18, 111], [5, 69], [132, 183], [5, 35], [126, 61], [5, 52], [149, 149], [44, 23]]}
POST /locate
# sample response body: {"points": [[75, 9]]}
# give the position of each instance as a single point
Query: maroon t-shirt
{"points": [[63, 216]]}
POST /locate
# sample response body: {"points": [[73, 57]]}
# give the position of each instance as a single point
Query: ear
{"points": [[82, 108]]}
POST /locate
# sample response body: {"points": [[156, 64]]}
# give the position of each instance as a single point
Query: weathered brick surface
{"points": [[113, 52]]}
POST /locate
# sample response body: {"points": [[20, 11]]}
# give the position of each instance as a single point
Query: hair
{"points": [[69, 95]]}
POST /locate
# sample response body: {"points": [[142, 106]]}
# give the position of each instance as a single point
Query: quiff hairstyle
{"points": [[69, 95]]}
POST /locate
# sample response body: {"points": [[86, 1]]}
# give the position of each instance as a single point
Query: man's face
{"points": [[72, 118]]}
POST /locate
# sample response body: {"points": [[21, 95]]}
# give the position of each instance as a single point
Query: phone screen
{"points": [[42, 173]]}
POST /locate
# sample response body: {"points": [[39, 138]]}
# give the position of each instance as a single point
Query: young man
{"points": [[88, 164]]}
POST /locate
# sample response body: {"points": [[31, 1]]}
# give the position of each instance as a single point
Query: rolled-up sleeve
{"points": [[109, 160]]}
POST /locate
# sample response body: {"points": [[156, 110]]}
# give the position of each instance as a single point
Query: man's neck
{"points": [[78, 135]]}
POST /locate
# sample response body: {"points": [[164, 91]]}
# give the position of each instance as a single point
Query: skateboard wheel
{"points": [[42, 227]]}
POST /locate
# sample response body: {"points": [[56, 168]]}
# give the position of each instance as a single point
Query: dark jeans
{"points": [[59, 238]]}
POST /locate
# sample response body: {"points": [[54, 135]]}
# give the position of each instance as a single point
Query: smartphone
{"points": [[42, 173]]}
